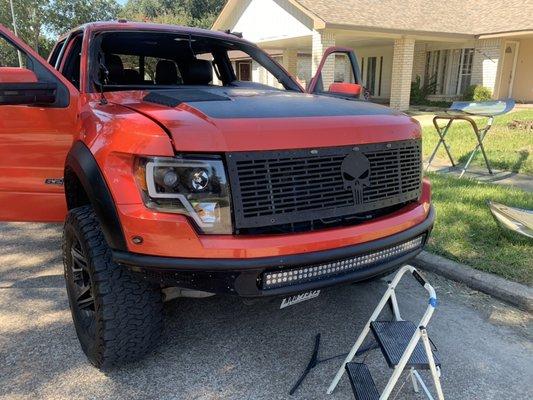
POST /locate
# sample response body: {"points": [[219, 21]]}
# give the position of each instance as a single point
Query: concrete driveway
{"points": [[220, 348]]}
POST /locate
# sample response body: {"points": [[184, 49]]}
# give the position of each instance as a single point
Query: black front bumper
{"points": [[244, 277]]}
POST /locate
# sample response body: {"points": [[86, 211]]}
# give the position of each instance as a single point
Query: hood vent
{"points": [[174, 97]]}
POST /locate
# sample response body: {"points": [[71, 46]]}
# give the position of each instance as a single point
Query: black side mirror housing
{"points": [[27, 93]]}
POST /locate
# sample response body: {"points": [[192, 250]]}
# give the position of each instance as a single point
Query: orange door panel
{"points": [[34, 139]]}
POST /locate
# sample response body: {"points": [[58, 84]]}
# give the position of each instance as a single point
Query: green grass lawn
{"points": [[507, 149], [465, 230]]}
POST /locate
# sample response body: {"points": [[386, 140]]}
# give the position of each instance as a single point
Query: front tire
{"points": [[118, 317]]}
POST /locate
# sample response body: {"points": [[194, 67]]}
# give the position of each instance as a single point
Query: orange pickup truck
{"points": [[175, 173]]}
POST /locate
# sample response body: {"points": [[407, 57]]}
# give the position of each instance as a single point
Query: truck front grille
{"points": [[272, 188]]}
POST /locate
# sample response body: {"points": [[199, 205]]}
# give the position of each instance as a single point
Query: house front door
{"points": [[244, 70], [510, 54]]}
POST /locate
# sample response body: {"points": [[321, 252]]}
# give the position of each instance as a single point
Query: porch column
{"points": [[402, 71], [290, 61], [321, 41]]}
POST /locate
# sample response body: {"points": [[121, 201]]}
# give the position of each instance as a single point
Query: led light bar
{"points": [[299, 275]]}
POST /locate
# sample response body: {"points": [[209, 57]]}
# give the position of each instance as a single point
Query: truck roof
{"points": [[123, 24]]}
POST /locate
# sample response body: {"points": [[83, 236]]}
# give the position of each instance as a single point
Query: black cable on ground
{"points": [[314, 361]]}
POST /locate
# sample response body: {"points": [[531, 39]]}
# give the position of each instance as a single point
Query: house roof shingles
{"points": [[445, 16]]}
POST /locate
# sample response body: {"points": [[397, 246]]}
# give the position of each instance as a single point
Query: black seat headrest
{"points": [[197, 72], [115, 67], [131, 77], [166, 73]]}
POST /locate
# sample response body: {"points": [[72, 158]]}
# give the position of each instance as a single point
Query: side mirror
{"points": [[346, 89], [19, 86]]}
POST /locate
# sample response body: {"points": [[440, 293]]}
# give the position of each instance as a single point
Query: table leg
{"points": [[480, 135], [442, 135]]}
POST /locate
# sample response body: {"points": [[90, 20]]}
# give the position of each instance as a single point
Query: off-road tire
{"points": [[121, 318]]}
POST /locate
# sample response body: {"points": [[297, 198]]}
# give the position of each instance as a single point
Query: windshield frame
{"points": [[256, 53]]}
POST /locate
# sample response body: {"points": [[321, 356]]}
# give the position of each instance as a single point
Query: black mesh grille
{"points": [[280, 187]]}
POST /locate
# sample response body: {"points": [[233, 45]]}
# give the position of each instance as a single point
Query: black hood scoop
{"points": [[173, 98]]}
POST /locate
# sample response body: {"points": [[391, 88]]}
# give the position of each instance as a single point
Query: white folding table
{"points": [[464, 111]]}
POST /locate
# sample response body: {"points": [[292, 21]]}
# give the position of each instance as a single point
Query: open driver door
{"points": [[38, 120], [338, 75]]}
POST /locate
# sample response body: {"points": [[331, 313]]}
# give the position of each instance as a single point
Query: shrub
{"points": [[419, 93], [482, 93], [416, 92], [477, 93]]}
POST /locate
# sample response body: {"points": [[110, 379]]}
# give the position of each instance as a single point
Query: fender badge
{"points": [[54, 181]]}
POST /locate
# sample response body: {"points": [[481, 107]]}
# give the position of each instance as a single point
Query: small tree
{"points": [[40, 21], [201, 13]]}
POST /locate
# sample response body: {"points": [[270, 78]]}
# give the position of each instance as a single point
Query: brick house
{"points": [[454, 43]]}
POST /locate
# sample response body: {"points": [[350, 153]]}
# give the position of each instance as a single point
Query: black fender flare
{"points": [[82, 163]]}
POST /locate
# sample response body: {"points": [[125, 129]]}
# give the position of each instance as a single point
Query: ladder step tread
{"points": [[363, 385], [393, 338]]}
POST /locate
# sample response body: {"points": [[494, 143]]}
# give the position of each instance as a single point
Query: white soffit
{"points": [[266, 20]]}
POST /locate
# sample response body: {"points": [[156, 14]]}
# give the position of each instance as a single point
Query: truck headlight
{"points": [[196, 187]]}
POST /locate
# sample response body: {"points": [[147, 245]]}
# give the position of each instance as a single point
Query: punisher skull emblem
{"points": [[355, 169]]}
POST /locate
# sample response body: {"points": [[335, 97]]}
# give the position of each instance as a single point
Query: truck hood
{"points": [[222, 119]]}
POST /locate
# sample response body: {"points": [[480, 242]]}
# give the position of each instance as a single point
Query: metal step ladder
{"points": [[404, 346]]}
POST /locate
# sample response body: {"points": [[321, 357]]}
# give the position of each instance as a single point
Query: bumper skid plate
{"points": [[283, 275]]}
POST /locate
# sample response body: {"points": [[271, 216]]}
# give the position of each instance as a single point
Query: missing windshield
{"points": [[168, 60]]}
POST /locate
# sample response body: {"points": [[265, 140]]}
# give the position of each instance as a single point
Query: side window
{"points": [[55, 53], [10, 56], [337, 68], [343, 69], [71, 64], [338, 75], [26, 79]]}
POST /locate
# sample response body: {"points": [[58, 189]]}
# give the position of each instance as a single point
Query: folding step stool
{"points": [[399, 343]]}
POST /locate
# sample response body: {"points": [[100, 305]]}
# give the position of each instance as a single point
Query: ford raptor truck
{"points": [[189, 161]]}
